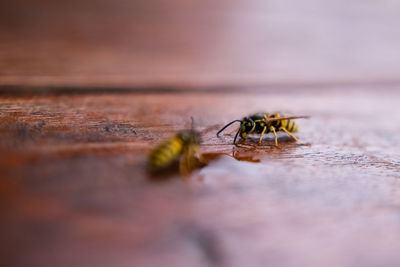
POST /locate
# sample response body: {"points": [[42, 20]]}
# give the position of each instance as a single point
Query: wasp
{"points": [[262, 123], [181, 148]]}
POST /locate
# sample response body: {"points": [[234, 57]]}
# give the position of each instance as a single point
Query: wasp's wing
{"points": [[189, 160], [286, 118]]}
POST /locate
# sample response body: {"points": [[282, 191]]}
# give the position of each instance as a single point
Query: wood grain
{"points": [[75, 190], [88, 88]]}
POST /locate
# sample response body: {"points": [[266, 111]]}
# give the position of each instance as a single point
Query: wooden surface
{"points": [[75, 190], [198, 43], [87, 88]]}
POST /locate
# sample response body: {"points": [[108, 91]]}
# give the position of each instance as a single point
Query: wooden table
{"points": [[86, 91]]}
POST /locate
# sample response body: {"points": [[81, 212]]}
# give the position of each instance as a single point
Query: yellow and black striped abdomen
{"points": [[289, 125], [165, 154]]}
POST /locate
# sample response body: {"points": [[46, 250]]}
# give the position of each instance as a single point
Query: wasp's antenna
{"points": [[227, 126], [237, 133]]}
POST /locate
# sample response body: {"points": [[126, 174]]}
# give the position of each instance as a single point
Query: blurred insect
{"points": [[181, 149], [262, 123]]}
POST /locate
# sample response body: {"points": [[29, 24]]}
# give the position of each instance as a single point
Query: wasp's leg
{"points": [[189, 160], [261, 135], [291, 135], [183, 166], [276, 137]]}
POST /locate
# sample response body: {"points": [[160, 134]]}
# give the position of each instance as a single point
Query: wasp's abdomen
{"points": [[289, 125], [165, 154]]}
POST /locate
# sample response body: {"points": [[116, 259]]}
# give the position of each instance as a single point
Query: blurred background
{"points": [[134, 43]]}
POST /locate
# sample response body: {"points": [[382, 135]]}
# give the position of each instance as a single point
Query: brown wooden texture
{"points": [[124, 75], [75, 190]]}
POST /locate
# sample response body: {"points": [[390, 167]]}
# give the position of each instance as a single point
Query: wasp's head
{"points": [[246, 127], [190, 137]]}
